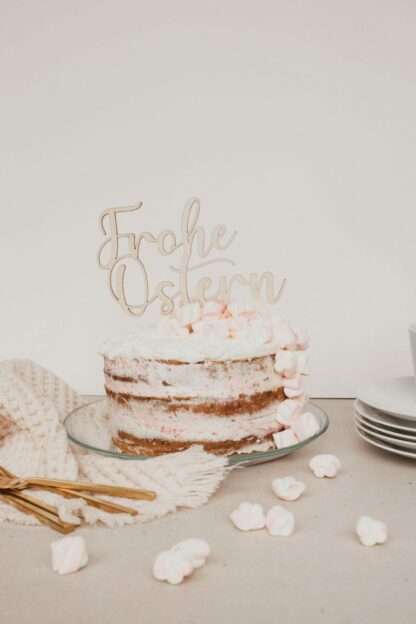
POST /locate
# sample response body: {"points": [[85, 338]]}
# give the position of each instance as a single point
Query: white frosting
{"points": [[150, 343], [248, 517], [280, 521], [69, 554], [325, 466], [371, 532], [213, 332], [288, 488]]}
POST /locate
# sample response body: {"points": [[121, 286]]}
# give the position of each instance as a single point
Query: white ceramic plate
{"points": [[386, 420], [385, 437], [385, 431], [383, 445], [396, 396]]}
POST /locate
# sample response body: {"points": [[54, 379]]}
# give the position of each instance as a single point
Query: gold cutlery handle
{"points": [[112, 490], [43, 516], [34, 501], [100, 503], [90, 500]]}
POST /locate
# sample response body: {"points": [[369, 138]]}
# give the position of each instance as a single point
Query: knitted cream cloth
{"points": [[33, 442]]}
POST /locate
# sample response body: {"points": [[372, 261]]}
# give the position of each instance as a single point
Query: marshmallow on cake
{"points": [[220, 375]]}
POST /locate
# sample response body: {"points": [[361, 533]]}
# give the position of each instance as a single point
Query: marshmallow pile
{"points": [[219, 320], [296, 424], [238, 319], [180, 561], [292, 365]]}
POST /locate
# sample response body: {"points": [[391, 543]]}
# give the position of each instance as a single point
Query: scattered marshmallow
{"points": [[194, 549], [280, 521], [69, 554], [371, 532], [285, 438], [288, 488], [325, 466], [305, 426], [172, 566], [248, 517], [180, 561]]}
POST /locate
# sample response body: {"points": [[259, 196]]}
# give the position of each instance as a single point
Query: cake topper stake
{"points": [[192, 239]]}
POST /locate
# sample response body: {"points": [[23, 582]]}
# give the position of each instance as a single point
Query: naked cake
{"points": [[223, 376]]}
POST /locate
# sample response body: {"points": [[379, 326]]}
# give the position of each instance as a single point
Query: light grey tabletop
{"points": [[320, 574]]}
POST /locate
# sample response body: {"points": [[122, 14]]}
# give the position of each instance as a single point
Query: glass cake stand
{"points": [[88, 427]]}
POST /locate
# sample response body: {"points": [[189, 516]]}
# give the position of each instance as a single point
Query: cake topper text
{"points": [[192, 239]]}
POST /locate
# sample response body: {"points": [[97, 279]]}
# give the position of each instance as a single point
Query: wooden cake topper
{"points": [[123, 249]]}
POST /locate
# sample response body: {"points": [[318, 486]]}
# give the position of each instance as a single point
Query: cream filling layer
{"points": [[205, 380], [143, 420]]}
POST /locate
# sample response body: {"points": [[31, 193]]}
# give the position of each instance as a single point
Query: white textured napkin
{"points": [[33, 442]]}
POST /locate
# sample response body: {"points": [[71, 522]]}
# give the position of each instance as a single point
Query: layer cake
{"points": [[216, 375]]}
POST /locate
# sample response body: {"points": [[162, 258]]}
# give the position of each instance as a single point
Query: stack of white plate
{"points": [[385, 415]]}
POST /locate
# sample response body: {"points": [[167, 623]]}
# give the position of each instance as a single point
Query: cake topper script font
{"points": [[121, 254]]}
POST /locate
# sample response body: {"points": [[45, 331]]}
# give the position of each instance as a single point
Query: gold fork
{"points": [[9, 483], [90, 500], [33, 507]]}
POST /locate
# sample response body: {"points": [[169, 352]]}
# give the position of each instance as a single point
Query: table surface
{"points": [[319, 574]]}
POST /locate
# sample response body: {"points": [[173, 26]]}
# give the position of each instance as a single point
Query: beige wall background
{"points": [[293, 121]]}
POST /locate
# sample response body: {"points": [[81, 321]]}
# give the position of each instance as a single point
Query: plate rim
{"points": [[244, 458], [357, 405], [364, 436], [388, 439], [394, 434], [390, 412]]}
